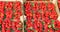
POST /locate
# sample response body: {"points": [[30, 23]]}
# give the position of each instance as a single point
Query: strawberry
{"points": [[9, 5], [51, 30], [9, 14], [3, 27], [17, 6], [14, 26], [2, 4], [35, 7], [50, 6], [30, 31], [1, 21], [1, 14], [29, 24], [27, 4], [17, 31], [29, 13], [42, 6], [8, 31]]}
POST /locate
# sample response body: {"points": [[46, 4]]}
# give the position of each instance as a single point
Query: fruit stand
{"points": [[29, 16]]}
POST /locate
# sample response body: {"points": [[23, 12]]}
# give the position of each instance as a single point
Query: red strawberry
{"points": [[1, 13], [38, 15], [51, 30], [1, 21], [17, 13], [57, 31], [9, 5], [30, 31], [29, 24], [29, 13], [51, 6], [19, 25], [2, 5], [17, 31], [35, 7], [14, 26], [42, 6], [8, 31], [27, 4], [3, 30], [17, 6], [3, 27], [9, 14]]}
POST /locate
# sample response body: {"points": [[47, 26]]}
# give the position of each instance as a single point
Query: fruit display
{"points": [[41, 17], [10, 13], [29, 16]]}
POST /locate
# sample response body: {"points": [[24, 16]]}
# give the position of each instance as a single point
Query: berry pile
{"points": [[10, 13], [41, 17]]}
